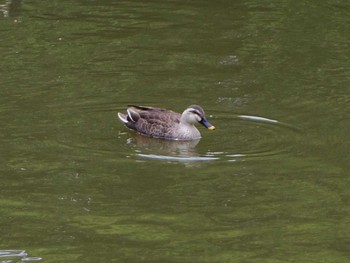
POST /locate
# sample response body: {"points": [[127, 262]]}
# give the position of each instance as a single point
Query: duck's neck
{"points": [[189, 131]]}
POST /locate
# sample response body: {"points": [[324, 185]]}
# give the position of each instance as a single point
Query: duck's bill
{"points": [[207, 124]]}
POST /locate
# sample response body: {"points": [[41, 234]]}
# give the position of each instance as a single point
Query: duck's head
{"points": [[194, 114]]}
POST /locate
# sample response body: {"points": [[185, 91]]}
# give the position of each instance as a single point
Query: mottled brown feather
{"points": [[159, 122], [155, 122]]}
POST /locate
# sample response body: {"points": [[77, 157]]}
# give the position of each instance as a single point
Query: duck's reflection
{"points": [[147, 145], [11, 8]]}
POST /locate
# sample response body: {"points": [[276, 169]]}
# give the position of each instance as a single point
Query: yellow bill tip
{"points": [[211, 128]]}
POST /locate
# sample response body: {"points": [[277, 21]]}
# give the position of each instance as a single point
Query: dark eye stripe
{"points": [[195, 112]]}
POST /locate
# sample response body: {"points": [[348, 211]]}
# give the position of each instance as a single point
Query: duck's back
{"points": [[155, 122]]}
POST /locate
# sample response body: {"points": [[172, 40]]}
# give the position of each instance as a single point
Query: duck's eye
{"points": [[198, 117], [195, 112]]}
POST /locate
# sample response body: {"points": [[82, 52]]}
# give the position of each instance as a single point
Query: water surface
{"points": [[270, 184]]}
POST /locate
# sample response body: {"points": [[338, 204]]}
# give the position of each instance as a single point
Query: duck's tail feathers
{"points": [[123, 117], [133, 114]]}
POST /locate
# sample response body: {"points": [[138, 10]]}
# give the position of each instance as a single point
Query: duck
{"points": [[165, 124]]}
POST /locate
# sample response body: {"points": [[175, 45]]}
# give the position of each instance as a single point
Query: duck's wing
{"points": [[156, 122], [148, 113]]}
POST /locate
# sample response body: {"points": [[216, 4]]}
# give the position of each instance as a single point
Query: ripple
{"points": [[177, 158], [237, 137], [12, 256], [256, 136], [257, 118]]}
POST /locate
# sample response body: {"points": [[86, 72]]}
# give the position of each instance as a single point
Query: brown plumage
{"points": [[165, 124]]}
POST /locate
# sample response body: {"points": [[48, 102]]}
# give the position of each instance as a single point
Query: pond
{"points": [[270, 184]]}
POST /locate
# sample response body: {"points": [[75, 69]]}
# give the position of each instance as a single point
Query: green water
{"points": [[77, 186]]}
